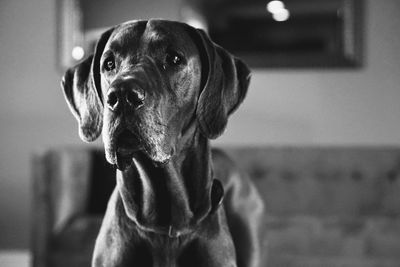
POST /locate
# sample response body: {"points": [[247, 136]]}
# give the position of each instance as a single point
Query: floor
{"points": [[15, 258]]}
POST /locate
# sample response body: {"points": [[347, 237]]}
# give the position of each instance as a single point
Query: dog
{"points": [[157, 91]]}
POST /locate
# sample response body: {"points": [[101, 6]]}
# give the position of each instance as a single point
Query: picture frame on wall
{"points": [[266, 34]]}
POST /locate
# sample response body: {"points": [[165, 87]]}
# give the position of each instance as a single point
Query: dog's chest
{"points": [[160, 251]]}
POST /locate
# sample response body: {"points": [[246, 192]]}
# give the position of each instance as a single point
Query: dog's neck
{"points": [[170, 198]]}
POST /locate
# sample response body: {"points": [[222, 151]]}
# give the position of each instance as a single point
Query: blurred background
{"points": [[287, 105]]}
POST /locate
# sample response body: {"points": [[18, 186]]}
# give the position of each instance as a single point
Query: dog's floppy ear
{"points": [[82, 90], [225, 80]]}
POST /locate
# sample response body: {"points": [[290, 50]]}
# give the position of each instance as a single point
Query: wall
{"points": [[306, 107], [32, 110], [330, 107]]}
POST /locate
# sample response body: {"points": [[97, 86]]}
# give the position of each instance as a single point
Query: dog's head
{"points": [[148, 83]]}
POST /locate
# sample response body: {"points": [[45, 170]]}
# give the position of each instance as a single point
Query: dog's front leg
{"points": [[117, 244], [104, 253]]}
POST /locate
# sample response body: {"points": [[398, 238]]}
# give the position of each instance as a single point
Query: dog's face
{"points": [[148, 83], [150, 80]]}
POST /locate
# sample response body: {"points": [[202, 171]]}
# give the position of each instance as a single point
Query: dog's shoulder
{"points": [[237, 184], [225, 168]]}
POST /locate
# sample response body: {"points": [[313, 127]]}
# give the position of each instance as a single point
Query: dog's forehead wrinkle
{"points": [[126, 37], [155, 35], [164, 34]]}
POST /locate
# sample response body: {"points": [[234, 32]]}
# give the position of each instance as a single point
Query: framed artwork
{"points": [[266, 34]]}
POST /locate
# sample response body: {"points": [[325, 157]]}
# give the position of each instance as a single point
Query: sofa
{"points": [[324, 206]]}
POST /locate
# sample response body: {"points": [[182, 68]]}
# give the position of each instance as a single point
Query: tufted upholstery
{"points": [[331, 206], [326, 207]]}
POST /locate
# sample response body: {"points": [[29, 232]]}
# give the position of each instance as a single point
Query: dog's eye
{"points": [[173, 58], [109, 64]]}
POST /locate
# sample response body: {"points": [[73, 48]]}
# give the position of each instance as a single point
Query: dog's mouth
{"points": [[127, 145], [127, 142]]}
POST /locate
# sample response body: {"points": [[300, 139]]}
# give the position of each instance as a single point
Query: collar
{"points": [[217, 196]]}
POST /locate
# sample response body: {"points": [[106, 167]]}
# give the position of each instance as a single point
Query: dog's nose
{"points": [[131, 95], [135, 97], [112, 99]]}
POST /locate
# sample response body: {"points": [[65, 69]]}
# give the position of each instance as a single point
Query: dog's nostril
{"points": [[135, 98], [112, 100]]}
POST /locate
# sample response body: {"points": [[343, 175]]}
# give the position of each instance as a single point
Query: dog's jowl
{"points": [[157, 91]]}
